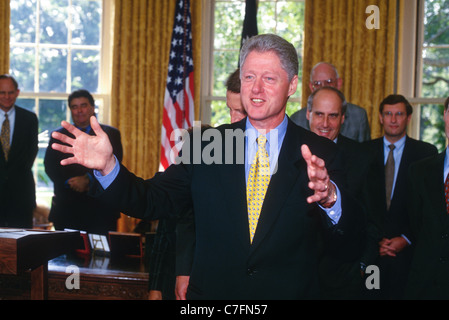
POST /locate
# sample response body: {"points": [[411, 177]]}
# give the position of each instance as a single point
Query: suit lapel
{"points": [[290, 167], [436, 190], [232, 178]]}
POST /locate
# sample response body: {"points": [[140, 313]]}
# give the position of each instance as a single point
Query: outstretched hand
{"points": [[94, 152], [319, 180]]}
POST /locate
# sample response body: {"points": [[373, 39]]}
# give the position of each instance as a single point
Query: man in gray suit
{"points": [[356, 124]]}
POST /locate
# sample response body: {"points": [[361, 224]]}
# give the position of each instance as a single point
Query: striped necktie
{"points": [[258, 180], [5, 136], [389, 175]]}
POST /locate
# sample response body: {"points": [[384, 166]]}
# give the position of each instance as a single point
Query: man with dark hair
{"points": [[385, 195], [19, 142], [236, 110], [429, 216], [71, 206]]}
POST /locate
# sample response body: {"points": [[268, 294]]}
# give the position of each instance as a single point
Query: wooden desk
{"points": [[101, 278], [25, 250]]}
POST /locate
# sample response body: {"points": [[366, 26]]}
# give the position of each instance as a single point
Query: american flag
{"points": [[178, 101]]}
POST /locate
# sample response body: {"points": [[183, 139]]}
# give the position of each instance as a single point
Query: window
{"points": [[56, 47], [221, 47], [432, 71]]}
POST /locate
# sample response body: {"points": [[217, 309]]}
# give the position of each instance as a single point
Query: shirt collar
{"points": [[279, 132], [398, 144]]}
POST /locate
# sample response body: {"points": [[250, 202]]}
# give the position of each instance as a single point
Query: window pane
{"points": [[285, 18], [436, 29], [29, 104], [432, 125], [435, 72], [228, 24], [220, 113], [51, 113], [23, 21], [53, 70], [85, 68], [225, 62], [22, 63], [86, 22], [53, 19]]}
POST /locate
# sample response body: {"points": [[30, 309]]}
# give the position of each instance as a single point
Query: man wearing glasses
{"points": [[385, 195], [356, 124]]}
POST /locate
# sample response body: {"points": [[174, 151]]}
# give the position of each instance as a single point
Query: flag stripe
{"points": [[179, 94]]}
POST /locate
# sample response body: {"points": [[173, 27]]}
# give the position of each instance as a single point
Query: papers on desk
{"points": [[11, 230]]}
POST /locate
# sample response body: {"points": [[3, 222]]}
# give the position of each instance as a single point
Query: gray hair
{"points": [[327, 63], [271, 42], [344, 103]]}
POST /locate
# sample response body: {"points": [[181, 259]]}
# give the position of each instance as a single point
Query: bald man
{"points": [[356, 124]]}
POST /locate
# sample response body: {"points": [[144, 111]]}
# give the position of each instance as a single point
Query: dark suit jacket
{"points": [[17, 187], [339, 276], [395, 222], [74, 210], [282, 261], [429, 276]]}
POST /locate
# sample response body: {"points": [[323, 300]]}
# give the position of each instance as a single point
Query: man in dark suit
{"points": [[17, 187], [303, 209], [388, 221], [71, 206], [326, 107], [429, 224], [356, 125]]}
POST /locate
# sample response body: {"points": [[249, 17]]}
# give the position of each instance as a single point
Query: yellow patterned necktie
{"points": [[4, 136], [258, 180]]}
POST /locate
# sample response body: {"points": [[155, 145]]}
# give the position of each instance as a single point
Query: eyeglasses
{"points": [[389, 114], [324, 83], [81, 106]]}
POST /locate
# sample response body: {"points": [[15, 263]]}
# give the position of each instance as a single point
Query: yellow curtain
{"points": [[4, 36], [142, 36], [336, 32]]}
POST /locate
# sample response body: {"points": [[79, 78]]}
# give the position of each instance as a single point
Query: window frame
{"points": [[411, 46], [207, 59], [102, 97]]}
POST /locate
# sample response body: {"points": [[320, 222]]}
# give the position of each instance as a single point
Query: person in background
{"points": [[72, 207], [385, 195], [356, 125], [233, 100], [19, 142], [340, 277], [429, 216]]}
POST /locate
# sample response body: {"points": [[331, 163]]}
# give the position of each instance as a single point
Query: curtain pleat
{"points": [[4, 36], [336, 32], [142, 36]]}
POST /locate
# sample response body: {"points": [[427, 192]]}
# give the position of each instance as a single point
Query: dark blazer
{"points": [[429, 277], [17, 187], [282, 261], [74, 210], [395, 221], [340, 278]]}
